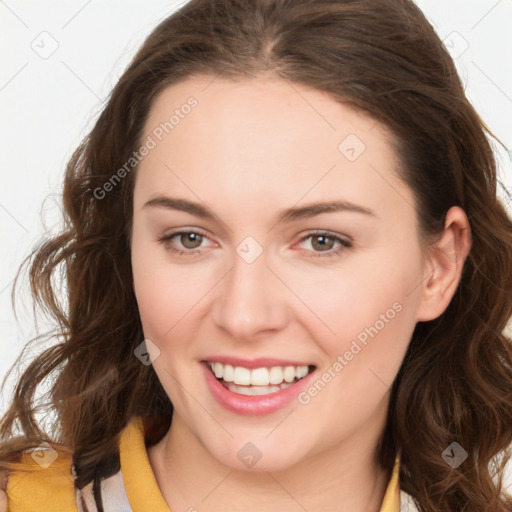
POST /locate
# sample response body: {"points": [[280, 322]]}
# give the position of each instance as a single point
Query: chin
{"points": [[254, 457]]}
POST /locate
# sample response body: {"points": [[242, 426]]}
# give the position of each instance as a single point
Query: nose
{"points": [[251, 300]]}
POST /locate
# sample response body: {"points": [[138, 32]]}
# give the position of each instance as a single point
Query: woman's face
{"points": [[259, 271]]}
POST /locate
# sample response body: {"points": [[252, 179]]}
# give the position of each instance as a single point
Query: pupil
{"points": [[321, 239], [190, 238]]}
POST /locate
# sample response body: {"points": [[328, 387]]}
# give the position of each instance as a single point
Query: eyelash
{"points": [[344, 244]]}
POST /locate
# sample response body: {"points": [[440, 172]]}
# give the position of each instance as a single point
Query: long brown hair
{"points": [[381, 57]]}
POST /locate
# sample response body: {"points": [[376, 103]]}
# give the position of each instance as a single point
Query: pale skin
{"points": [[246, 152]]}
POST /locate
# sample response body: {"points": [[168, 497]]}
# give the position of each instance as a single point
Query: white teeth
{"points": [[289, 373], [241, 376], [259, 377], [276, 375], [227, 372], [255, 390], [217, 369]]}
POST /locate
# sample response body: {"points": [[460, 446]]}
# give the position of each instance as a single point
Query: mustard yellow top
{"points": [[51, 489]]}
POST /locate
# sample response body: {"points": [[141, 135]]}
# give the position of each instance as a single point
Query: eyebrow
{"points": [[285, 216]]}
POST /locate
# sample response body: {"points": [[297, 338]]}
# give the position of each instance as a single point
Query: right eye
{"points": [[185, 237]]}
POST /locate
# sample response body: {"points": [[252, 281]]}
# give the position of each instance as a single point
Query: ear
{"points": [[443, 265]]}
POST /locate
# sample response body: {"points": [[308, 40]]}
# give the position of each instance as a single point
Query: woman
{"points": [[288, 277]]}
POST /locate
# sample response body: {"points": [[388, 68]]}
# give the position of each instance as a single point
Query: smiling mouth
{"points": [[258, 381]]}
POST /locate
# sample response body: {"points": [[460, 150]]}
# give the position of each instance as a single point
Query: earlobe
{"points": [[443, 268]]}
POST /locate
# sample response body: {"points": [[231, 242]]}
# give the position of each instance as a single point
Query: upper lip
{"points": [[260, 362]]}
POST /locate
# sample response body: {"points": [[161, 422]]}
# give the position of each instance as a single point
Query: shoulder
{"points": [[43, 480], [407, 502], [507, 476], [44, 477]]}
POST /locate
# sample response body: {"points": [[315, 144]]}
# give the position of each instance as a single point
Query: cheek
{"points": [[155, 289], [163, 298], [371, 313], [167, 293], [367, 292]]}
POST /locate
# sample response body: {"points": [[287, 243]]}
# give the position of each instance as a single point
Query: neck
{"points": [[345, 478]]}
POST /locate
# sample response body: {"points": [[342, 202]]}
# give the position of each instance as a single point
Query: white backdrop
{"points": [[61, 58]]}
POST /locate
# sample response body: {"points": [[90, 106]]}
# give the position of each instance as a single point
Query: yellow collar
{"points": [[143, 491]]}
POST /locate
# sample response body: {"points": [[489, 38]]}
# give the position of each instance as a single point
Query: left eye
{"points": [[319, 240], [191, 242]]}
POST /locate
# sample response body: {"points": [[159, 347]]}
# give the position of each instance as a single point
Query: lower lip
{"points": [[257, 405]]}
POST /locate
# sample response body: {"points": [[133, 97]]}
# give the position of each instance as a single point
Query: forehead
{"points": [[265, 138], [269, 109]]}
